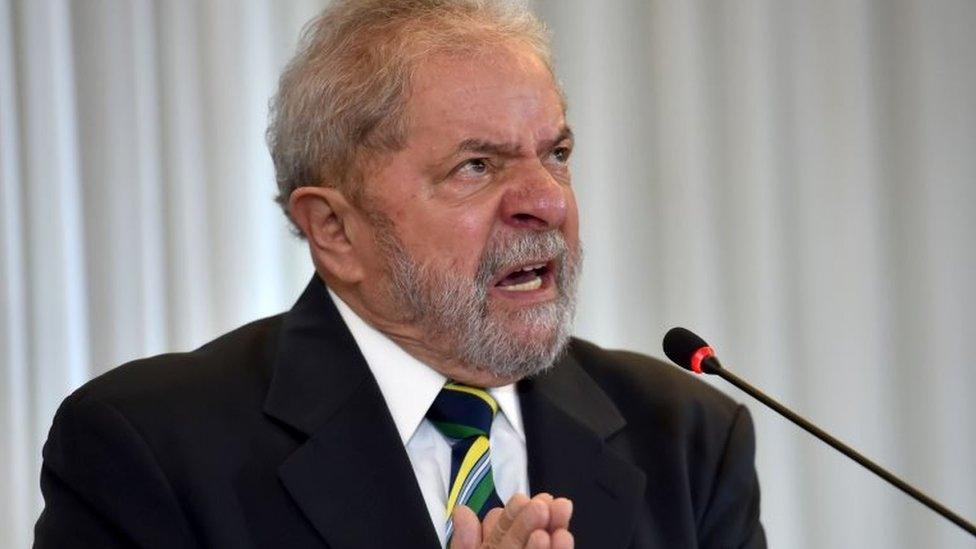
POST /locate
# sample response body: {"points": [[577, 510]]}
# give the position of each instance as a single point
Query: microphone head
{"points": [[686, 349]]}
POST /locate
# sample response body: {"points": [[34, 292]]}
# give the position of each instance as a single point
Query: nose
{"points": [[535, 200]]}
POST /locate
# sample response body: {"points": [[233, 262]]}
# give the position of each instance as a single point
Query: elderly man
{"points": [[426, 375]]}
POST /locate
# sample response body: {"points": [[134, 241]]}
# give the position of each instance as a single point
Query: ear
{"points": [[327, 219]]}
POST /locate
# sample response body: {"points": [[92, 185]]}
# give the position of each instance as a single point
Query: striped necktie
{"points": [[463, 415]]}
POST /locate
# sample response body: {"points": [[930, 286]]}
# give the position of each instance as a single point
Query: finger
{"points": [[562, 539], [560, 511], [539, 540], [505, 520], [467, 529], [533, 516], [491, 522]]}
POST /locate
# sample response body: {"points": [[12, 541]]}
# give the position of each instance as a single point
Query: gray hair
{"points": [[341, 99]]}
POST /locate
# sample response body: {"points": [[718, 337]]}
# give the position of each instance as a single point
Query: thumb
{"points": [[467, 529]]}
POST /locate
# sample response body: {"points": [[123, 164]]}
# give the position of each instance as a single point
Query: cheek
{"points": [[463, 236], [454, 236], [571, 225], [472, 224]]}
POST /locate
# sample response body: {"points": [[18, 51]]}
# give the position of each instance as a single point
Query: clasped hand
{"points": [[538, 523]]}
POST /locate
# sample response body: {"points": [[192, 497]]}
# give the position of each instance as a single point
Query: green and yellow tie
{"points": [[464, 414]]}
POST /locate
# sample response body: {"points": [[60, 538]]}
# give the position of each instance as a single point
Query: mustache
{"points": [[513, 249]]}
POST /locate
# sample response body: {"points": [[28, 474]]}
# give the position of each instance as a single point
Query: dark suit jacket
{"points": [[276, 435]]}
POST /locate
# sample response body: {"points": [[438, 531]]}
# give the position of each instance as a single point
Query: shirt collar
{"points": [[408, 385]]}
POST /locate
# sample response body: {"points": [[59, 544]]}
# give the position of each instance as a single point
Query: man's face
{"points": [[476, 226]]}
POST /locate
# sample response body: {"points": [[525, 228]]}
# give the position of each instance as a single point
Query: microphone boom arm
{"points": [[717, 369]]}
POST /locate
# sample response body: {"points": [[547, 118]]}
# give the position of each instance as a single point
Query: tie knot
{"points": [[461, 412]]}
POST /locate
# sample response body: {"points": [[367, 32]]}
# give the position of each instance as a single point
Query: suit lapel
{"points": [[348, 477], [351, 477], [568, 419]]}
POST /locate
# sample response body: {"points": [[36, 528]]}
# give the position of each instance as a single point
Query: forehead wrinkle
{"points": [[510, 149]]}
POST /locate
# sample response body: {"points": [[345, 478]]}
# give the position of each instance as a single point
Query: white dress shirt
{"points": [[409, 388]]}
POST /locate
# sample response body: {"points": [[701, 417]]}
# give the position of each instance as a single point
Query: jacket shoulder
{"points": [[644, 387], [235, 364]]}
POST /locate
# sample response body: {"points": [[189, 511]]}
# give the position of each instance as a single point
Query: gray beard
{"points": [[454, 310]]}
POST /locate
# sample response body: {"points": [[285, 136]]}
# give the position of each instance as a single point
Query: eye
{"points": [[561, 154], [473, 167]]}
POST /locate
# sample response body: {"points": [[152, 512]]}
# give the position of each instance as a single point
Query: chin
{"points": [[514, 345], [540, 338]]}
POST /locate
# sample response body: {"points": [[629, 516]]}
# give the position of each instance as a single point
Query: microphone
{"points": [[691, 352]]}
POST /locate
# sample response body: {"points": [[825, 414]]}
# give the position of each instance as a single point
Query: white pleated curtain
{"points": [[792, 179]]}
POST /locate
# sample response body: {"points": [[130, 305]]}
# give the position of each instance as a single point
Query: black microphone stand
{"points": [[711, 365]]}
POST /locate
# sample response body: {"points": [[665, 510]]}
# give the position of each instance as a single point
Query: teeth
{"points": [[533, 284], [533, 267]]}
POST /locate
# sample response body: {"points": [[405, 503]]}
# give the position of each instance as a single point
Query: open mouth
{"points": [[526, 278]]}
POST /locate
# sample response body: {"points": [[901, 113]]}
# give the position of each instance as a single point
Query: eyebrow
{"points": [[509, 149]]}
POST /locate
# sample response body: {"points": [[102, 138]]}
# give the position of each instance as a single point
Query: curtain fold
{"points": [[795, 180]]}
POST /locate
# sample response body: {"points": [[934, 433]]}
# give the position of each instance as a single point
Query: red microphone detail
{"points": [[700, 355]]}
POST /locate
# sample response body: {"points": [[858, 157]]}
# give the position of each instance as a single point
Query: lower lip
{"points": [[545, 292]]}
